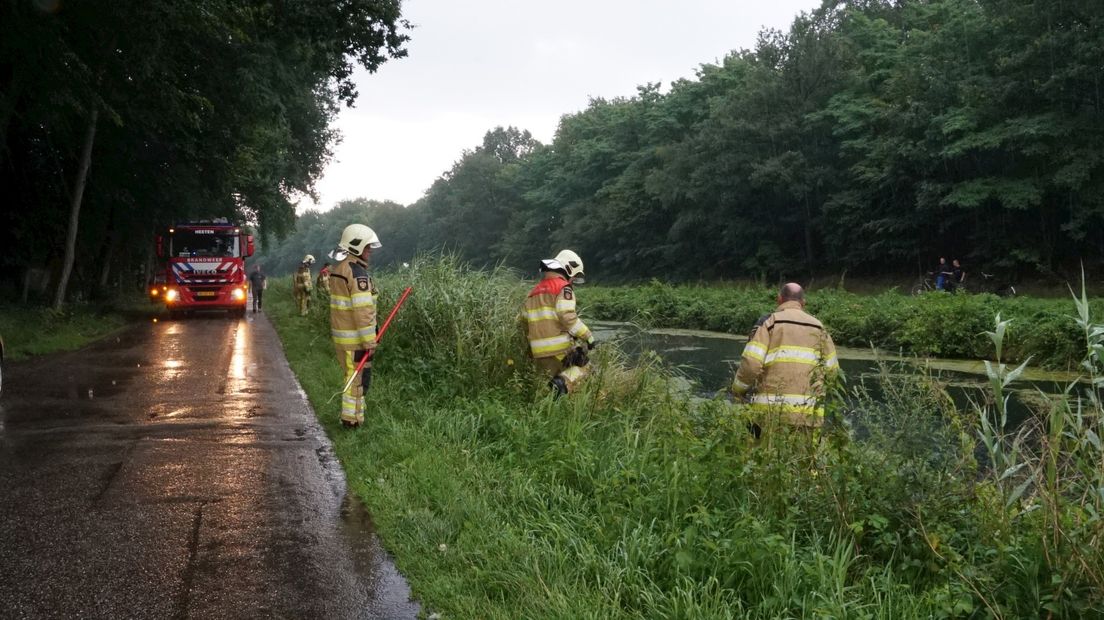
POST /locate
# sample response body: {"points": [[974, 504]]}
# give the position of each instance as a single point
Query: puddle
{"points": [[388, 593]]}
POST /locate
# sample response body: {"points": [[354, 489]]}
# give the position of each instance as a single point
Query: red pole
{"points": [[379, 336], [394, 311]]}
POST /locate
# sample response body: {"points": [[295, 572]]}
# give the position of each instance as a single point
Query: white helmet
{"points": [[356, 237], [308, 260], [568, 262]]}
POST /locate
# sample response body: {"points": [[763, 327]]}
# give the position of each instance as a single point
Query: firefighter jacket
{"points": [[352, 306], [787, 358], [550, 317], [303, 279]]}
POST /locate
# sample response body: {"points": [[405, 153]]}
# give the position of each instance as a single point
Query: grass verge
{"points": [[628, 500], [34, 330]]}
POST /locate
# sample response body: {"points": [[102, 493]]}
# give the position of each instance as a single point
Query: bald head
{"points": [[791, 291]]}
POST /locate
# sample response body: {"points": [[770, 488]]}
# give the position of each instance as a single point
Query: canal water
{"points": [[708, 360]]}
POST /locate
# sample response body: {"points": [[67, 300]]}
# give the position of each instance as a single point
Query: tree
{"points": [[150, 79]]}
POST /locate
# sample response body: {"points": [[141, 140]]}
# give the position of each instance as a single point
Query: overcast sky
{"points": [[475, 64]]}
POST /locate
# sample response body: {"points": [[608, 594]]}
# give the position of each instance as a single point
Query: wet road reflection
{"points": [[176, 470]]}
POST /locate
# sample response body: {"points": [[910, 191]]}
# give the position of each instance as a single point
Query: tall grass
{"points": [[629, 500]]}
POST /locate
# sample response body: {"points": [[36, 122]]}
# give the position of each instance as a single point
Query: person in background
{"points": [[302, 284], [788, 357], [958, 275], [323, 280], [942, 273], [257, 283]]}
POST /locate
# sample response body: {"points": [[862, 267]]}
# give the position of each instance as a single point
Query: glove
{"points": [[366, 378], [576, 357], [591, 344]]}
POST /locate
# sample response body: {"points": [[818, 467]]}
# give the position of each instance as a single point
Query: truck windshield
{"points": [[204, 242]]}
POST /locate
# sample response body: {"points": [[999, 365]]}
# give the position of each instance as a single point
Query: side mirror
{"points": [[249, 245], [160, 246]]}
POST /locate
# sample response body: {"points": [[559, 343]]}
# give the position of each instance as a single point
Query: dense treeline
{"points": [[873, 136], [117, 119]]}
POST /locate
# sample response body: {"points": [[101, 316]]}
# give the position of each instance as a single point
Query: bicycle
{"points": [[990, 284], [925, 285]]}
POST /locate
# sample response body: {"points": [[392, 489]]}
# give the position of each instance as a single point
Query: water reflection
{"points": [[237, 362]]}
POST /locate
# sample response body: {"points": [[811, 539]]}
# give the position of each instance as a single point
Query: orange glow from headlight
{"points": [[154, 292], [171, 295], [238, 294]]}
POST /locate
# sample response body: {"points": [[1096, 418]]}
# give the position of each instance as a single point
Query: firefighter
{"points": [[785, 363], [353, 316], [556, 333], [302, 285], [323, 281]]}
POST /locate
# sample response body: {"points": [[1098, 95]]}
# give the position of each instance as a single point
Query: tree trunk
{"points": [[108, 257], [74, 211], [8, 102], [810, 255]]}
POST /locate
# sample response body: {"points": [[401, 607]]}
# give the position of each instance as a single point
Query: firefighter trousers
{"points": [[302, 299], [352, 400], [553, 367]]}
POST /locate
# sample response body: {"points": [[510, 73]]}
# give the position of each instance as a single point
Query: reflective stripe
{"points": [[832, 362], [793, 355], [353, 336], [340, 303], [555, 344], [565, 305], [544, 312], [755, 351], [363, 300], [580, 331], [739, 386], [573, 374], [787, 403]]}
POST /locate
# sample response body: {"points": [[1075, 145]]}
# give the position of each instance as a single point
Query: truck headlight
{"points": [[238, 294], [172, 295]]}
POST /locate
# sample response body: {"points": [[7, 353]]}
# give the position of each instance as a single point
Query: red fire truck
{"points": [[205, 266]]}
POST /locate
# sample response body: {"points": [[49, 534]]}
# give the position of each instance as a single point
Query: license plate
{"points": [[206, 294]]}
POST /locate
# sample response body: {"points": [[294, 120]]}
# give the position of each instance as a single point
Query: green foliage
{"points": [[317, 234], [871, 137], [206, 108], [628, 500]]}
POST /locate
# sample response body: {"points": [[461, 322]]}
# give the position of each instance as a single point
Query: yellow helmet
{"points": [[356, 237], [308, 260]]}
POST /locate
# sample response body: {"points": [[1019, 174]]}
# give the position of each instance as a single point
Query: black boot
{"points": [[558, 385]]}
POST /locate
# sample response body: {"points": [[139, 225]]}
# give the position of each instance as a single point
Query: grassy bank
{"points": [[34, 330], [935, 324], [629, 501]]}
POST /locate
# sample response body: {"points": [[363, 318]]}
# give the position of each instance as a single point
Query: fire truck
{"points": [[204, 266]]}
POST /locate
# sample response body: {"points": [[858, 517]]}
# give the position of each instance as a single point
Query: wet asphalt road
{"points": [[176, 470]]}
